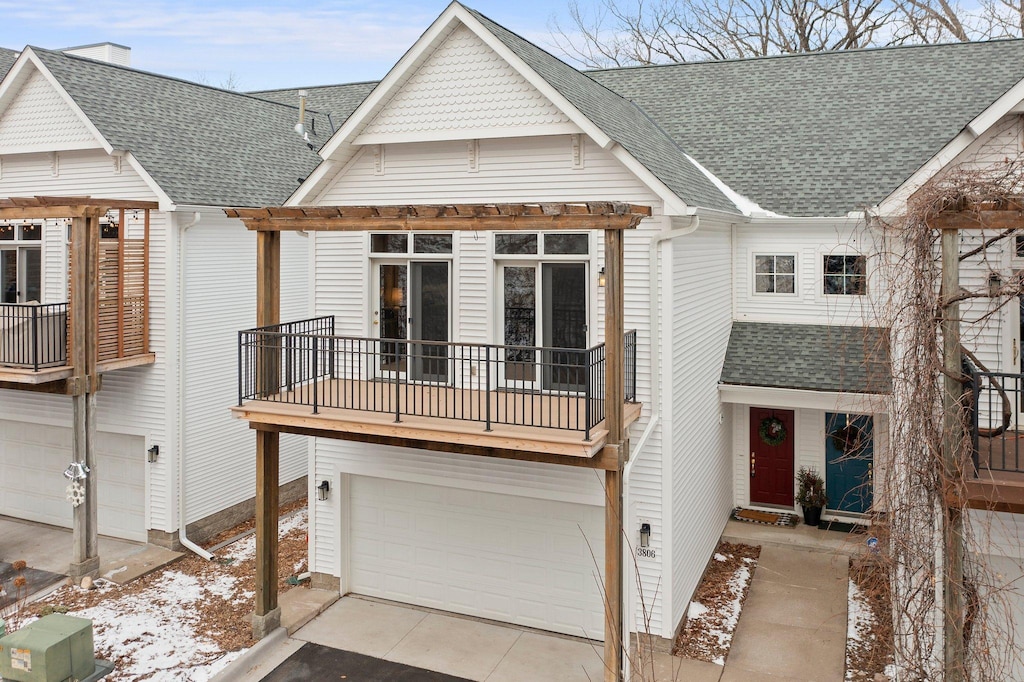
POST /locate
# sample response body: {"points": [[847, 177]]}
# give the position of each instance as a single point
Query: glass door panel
{"points": [[565, 325], [394, 317], [9, 275], [520, 322], [428, 321], [31, 287]]}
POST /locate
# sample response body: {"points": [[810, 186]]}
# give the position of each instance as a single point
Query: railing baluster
{"points": [[316, 378]]}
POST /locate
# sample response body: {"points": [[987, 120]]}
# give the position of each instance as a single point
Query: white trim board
{"points": [[790, 398]]}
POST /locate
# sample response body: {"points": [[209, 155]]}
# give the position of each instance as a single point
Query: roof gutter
{"points": [[630, 521], [182, 518]]}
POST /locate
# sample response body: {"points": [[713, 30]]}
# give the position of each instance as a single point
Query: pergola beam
{"points": [[46, 207], [448, 217]]}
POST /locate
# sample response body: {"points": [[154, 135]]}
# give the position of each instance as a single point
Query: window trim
{"points": [[753, 275], [823, 254]]}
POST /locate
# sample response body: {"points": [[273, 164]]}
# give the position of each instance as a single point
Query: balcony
{"points": [[997, 432], [34, 340], [304, 377]]}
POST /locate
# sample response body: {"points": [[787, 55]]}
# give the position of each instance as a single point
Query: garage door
{"points": [[32, 462], [520, 560]]}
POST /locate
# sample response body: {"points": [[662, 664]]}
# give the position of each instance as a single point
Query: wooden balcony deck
{"points": [[437, 424], [999, 485]]}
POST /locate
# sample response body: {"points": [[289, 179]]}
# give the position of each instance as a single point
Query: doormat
{"points": [[35, 580], [764, 518]]}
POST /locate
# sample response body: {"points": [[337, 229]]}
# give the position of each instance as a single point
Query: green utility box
{"points": [[55, 648]]}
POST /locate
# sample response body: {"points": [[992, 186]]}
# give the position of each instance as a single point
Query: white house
{"points": [[168, 455], [754, 287]]}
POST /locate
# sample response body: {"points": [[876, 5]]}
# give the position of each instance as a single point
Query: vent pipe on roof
{"points": [[300, 127]]}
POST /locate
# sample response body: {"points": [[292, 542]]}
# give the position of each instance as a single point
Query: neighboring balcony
{"points": [[997, 431], [303, 377]]}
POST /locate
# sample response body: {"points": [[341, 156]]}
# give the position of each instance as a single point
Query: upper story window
{"points": [[845, 275], [400, 244], [27, 232], [775, 274], [529, 244]]}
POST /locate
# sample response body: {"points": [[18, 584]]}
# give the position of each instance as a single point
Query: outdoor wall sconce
{"points": [[323, 490], [645, 535], [601, 279], [995, 283], [152, 454]]}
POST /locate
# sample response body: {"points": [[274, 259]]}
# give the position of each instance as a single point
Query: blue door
{"points": [[849, 451]]}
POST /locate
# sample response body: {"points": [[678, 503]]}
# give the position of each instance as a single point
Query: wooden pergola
{"points": [[611, 217], [83, 341]]}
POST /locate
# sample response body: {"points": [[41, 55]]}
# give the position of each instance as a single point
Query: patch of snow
{"points": [[245, 549], [720, 557], [859, 619], [696, 610]]}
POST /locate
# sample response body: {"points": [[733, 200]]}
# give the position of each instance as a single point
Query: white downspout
{"points": [[630, 521], [182, 522]]}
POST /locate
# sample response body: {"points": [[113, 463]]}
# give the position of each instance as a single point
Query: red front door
{"points": [[771, 457]]}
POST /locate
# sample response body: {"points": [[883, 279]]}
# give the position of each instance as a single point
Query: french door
{"points": [[413, 303], [544, 304], [20, 275]]}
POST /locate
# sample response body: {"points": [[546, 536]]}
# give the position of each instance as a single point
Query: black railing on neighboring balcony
{"points": [[33, 336], [305, 363], [996, 428]]}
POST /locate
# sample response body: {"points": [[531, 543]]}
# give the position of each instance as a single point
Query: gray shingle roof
{"points": [[7, 59], [809, 357], [202, 145], [827, 133], [621, 120], [337, 100]]}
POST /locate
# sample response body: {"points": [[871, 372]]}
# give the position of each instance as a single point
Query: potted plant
{"points": [[811, 495]]}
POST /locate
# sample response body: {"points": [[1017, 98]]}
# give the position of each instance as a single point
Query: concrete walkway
{"points": [[48, 548], [792, 627], [463, 647]]}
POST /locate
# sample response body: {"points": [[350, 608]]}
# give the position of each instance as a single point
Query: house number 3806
{"points": [[645, 552]]}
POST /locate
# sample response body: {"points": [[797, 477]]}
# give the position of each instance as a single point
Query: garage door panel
{"points": [[502, 557], [32, 486]]}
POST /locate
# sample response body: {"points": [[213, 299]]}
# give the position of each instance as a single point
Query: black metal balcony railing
{"points": [[994, 421], [305, 363], [33, 336]]}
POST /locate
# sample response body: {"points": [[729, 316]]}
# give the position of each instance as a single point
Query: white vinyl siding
{"points": [[809, 305], [39, 119], [220, 300], [532, 169], [701, 319], [133, 401]]}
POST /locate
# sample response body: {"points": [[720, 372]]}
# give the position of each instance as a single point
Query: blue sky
{"points": [[264, 44]]}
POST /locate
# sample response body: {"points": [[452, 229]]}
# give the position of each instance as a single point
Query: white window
{"points": [[20, 263], [775, 274], [845, 274], [544, 311]]}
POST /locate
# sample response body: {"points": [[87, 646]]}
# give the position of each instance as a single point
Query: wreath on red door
{"points": [[772, 431]]}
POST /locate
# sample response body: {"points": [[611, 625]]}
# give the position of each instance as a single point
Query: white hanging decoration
{"points": [[76, 493]]}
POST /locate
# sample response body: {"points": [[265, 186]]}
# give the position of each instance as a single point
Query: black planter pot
{"points": [[812, 516]]}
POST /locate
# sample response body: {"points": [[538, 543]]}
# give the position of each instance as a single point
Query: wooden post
{"points": [[615, 378], [84, 340], [952, 437], [268, 312]]}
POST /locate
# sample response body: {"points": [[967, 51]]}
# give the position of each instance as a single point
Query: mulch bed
{"points": [[721, 594], [872, 649]]}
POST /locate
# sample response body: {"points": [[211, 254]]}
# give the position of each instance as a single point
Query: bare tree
{"points": [[629, 32]]}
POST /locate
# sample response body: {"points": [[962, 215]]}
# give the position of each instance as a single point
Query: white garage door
{"points": [[32, 461], [520, 560]]}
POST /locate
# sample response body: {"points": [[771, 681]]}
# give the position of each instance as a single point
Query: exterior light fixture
{"points": [[152, 454], [995, 283], [601, 279], [645, 535], [323, 490]]}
